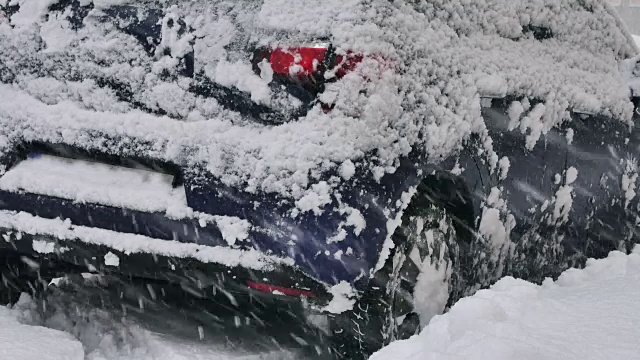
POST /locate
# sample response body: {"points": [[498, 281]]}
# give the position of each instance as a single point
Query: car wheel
{"points": [[413, 286]]}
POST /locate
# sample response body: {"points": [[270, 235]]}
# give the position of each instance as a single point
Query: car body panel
{"points": [[323, 242], [557, 222], [273, 231]]}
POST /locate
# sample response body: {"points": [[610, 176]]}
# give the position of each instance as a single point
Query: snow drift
{"points": [[585, 314]]}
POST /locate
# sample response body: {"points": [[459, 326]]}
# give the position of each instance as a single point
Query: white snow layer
{"points": [[419, 88], [585, 314]]}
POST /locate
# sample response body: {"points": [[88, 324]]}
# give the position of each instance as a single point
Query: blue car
{"points": [[363, 164]]}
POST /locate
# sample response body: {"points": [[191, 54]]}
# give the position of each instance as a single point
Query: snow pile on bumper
{"points": [[24, 223], [88, 182], [586, 314]]}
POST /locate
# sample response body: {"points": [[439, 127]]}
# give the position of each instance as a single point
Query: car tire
{"points": [[412, 287]]}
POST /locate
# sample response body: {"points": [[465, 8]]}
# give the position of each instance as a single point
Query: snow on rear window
{"points": [[445, 55]]}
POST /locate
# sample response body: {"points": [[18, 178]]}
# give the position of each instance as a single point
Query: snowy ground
{"points": [[20, 341], [586, 314], [88, 323]]}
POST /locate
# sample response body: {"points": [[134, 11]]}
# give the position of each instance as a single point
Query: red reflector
{"points": [[267, 288], [297, 61]]}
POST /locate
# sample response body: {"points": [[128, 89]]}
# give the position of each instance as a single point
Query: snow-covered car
{"points": [[364, 162]]}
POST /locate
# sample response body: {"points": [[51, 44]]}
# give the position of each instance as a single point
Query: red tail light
{"points": [[306, 65], [297, 61], [304, 71], [273, 289]]}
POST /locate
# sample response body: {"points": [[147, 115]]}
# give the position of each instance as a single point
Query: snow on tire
{"points": [[427, 267], [431, 290]]}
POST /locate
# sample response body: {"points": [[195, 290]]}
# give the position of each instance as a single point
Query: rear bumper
{"points": [[201, 268], [339, 242]]}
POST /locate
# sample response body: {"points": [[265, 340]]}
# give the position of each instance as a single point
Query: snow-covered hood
{"points": [[445, 56]]}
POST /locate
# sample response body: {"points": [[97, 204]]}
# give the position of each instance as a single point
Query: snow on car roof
{"points": [[445, 55]]}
